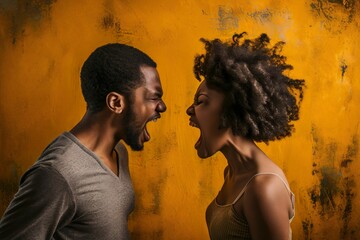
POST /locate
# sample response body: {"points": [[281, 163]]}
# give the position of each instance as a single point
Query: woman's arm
{"points": [[267, 206]]}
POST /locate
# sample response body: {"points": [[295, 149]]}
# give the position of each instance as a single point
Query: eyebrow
{"points": [[158, 91]]}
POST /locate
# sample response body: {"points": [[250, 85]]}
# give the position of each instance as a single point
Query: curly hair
{"points": [[260, 101], [113, 67]]}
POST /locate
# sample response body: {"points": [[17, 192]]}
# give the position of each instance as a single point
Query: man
{"points": [[80, 187]]}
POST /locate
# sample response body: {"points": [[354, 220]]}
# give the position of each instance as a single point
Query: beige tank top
{"points": [[224, 223]]}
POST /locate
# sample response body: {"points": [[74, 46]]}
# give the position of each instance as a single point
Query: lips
{"points": [[146, 133], [193, 123], [197, 144]]}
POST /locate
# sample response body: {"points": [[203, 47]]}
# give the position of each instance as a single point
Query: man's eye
{"points": [[154, 98]]}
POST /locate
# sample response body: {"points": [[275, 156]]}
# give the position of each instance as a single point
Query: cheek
{"points": [[209, 125], [209, 119], [213, 136], [140, 112]]}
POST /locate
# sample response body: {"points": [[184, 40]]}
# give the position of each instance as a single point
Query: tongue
{"points": [[146, 135]]}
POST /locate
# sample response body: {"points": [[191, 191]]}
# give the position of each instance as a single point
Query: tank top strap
{"points": [[264, 173]]}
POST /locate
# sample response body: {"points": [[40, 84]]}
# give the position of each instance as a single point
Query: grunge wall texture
{"points": [[43, 44]]}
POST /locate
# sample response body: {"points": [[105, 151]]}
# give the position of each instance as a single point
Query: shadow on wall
{"points": [[9, 186], [333, 195], [336, 14], [22, 12]]}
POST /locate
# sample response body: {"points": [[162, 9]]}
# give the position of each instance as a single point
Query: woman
{"points": [[245, 97]]}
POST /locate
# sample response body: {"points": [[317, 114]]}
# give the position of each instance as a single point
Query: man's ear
{"points": [[115, 102]]}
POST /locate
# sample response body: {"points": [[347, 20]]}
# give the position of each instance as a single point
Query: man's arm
{"points": [[43, 203]]}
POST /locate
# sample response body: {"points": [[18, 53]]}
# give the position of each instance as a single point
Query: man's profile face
{"points": [[146, 106]]}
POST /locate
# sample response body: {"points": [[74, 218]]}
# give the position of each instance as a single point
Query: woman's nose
{"points": [[190, 110]]}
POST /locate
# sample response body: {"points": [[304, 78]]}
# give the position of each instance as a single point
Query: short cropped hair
{"points": [[260, 101], [113, 67]]}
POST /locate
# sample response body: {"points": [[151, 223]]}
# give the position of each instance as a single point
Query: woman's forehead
{"points": [[202, 87]]}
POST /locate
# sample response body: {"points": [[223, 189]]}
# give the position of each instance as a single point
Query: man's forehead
{"points": [[151, 79], [154, 88]]}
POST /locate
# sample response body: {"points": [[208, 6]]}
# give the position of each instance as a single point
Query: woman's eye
{"points": [[201, 99], [198, 102]]}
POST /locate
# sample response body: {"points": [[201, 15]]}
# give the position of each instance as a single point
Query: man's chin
{"points": [[136, 147], [134, 142]]}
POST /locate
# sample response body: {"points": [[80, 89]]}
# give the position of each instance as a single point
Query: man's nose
{"points": [[161, 107]]}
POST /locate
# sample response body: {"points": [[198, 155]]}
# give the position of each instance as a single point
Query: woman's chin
{"points": [[202, 153], [202, 149]]}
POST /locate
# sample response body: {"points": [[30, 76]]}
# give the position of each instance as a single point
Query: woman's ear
{"points": [[115, 102]]}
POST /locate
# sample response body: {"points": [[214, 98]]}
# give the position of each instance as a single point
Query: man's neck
{"points": [[94, 131]]}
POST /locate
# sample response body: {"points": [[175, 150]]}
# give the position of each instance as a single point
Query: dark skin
{"points": [[266, 203], [100, 132], [93, 131]]}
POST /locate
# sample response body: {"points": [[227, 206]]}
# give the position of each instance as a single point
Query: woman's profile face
{"points": [[205, 114]]}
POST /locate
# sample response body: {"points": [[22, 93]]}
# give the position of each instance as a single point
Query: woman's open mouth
{"points": [[192, 123]]}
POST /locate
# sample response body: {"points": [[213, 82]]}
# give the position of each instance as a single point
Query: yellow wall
{"points": [[43, 44]]}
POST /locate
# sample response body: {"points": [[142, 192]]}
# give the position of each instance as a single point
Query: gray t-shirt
{"points": [[69, 193]]}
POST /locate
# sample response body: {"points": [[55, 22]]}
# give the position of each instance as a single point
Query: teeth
{"points": [[193, 124]]}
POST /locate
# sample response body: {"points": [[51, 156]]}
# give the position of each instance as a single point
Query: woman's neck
{"points": [[242, 155]]}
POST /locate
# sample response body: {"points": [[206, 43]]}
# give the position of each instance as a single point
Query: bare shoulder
{"points": [[267, 207], [266, 187], [266, 191]]}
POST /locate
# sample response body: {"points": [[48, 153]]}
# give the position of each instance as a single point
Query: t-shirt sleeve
{"points": [[43, 203]]}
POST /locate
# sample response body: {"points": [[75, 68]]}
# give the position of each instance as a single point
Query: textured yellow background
{"points": [[43, 44]]}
